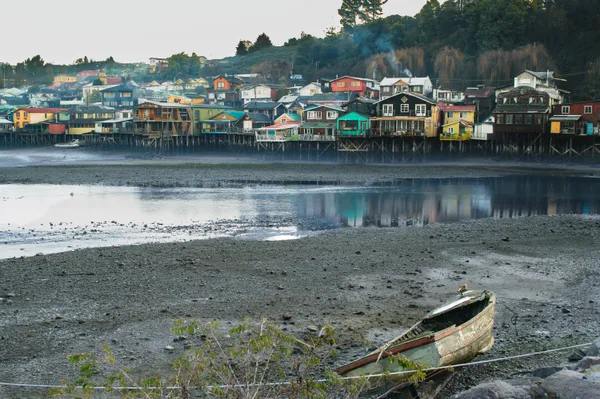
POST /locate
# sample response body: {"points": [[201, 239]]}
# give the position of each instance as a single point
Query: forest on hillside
{"points": [[458, 43]]}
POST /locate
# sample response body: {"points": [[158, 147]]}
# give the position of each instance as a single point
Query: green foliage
{"points": [[262, 42], [242, 47], [249, 360]]}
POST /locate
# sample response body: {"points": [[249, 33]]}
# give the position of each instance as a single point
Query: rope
{"points": [[455, 366]]}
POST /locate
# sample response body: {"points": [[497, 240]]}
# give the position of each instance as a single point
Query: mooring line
{"points": [[454, 366]]}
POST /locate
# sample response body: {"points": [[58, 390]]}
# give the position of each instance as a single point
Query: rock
{"points": [[281, 288], [577, 355], [59, 317], [179, 339], [565, 310], [546, 372], [594, 349], [506, 239], [39, 254], [494, 390], [286, 316], [11, 295], [312, 328], [169, 348], [587, 363], [571, 384]]}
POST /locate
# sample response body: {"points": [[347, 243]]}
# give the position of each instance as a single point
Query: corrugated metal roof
{"points": [[565, 118]]}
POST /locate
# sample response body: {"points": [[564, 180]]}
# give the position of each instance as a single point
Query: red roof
{"points": [[114, 81], [44, 110], [458, 108]]}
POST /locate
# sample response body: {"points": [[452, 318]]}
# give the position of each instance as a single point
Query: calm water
{"points": [[43, 218]]}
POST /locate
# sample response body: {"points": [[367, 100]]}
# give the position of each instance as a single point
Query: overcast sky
{"points": [[134, 30]]}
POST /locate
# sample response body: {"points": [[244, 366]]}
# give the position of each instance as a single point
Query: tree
{"points": [[97, 82], [262, 41], [350, 12], [273, 70], [242, 47], [372, 10]]}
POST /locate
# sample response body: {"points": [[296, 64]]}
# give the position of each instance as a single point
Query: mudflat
{"points": [[370, 282]]}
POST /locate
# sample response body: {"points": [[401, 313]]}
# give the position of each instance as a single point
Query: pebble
{"points": [[169, 348]]}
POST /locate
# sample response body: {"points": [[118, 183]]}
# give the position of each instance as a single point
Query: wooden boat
{"points": [[72, 144], [452, 334]]}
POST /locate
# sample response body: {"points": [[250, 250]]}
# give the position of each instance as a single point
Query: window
{"points": [[349, 125], [528, 120], [220, 85], [341, 84], [388, 110], [463, 115], [387, 89], [538, 119], [451, 130], [332, 115], [509, 119], [315, 115], [566, 110], [355, 84], [126, 94], [421, 109], [518, 119], [404, 108], [587, 109], [500, 119], [450, 114]]}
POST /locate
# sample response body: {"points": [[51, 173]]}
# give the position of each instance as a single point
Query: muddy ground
{"points": [[176, 172], [375, 282]]}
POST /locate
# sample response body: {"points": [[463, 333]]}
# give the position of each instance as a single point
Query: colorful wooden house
{"points": [[580, 118], [320, 122], [353, 124], [202, 112], [84, 118], [285, 128], [392, 86], [406, 114], [227, 83], [255, 120], [522, 110], [27, 116], [224, 123], [363, 87], [458, 122], [156, 120], [271, 108]]}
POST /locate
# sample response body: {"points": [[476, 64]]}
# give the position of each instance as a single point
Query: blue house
{"points": [[122, 96]]}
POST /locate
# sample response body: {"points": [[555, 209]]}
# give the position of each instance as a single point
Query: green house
{"points": [[353, 124], [203, 112]]}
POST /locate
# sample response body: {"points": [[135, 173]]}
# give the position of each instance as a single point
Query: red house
{"points": [[582, 118], [364, 87]]}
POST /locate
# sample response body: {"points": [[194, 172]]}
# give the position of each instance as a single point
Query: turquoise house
{"points": [[353, 124]]}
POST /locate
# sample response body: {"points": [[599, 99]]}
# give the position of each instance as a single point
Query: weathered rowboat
{"points": [[451, 334]]}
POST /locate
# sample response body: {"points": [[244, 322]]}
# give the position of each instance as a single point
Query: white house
{"points": [[448, 96], [391, 86], [542, 81], [484, 130], [310, 90], [257, 93]]}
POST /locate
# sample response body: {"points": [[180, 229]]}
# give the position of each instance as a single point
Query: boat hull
{"points": [[453, 345]]}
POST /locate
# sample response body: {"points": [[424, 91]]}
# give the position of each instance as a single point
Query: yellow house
{"points": [[28, 116], [65, 79], [103, 78], [458, 122], [194, 100]]}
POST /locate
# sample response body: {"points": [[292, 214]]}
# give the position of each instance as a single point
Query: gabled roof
{"points": [[315, 106], [165, 105], [118, 88], [356, 78], [261, 105], [458, 108], [231, 79], [44, 110], [258, 117], [407, 80], [353, 116], [416, 95], [540, 75], [288, 99], [341, 97], [479, 92], [235, 115], [292, 117]]}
